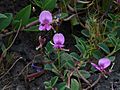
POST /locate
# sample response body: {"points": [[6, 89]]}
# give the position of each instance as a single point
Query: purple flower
{"points": [[102, 64], [45, 20], [58, 40], [118, 1], [38, 69]]}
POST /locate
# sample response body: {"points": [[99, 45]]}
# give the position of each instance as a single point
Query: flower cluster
{"points": [[102, 64], [45, 20]]}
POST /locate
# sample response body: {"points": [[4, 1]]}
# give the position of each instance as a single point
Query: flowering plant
{"points": [[45, 20], [102, 64], [71, 34]]}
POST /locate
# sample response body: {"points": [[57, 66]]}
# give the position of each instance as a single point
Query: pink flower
{"points": [[45, 20], [118, 1], [102, 64], [58, 40]]}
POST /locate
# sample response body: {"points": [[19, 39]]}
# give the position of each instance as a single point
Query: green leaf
{"points": [[2, 16], [85, 73], [63, 15], [6, 21], [82, 46], [104, 47], [48, 67], [67, 60], [49, 48], [49, 4], [54, 81], [23, 16], [113, 16], [75, 56], [61, 86], [81, 42], [52, 68], [112, 39], [74, 21], [112, 58], [109, 24], [85, 33], [38, 3], [48, 85], [97, 54], [75, 85]]}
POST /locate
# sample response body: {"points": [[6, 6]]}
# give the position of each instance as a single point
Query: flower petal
{"points": [[58, 37], [38, 69], [48, 27], [104, 63], [96, 66], [41, 28], [45, 15]]}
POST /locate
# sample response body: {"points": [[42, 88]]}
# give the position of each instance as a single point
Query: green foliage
{"points": [[75, 56], [49, 4], [97, 54], [2, 16], [104, 47], [49, 48], [61, 86], [51, 83], [63, 15], [5, 20], [99, 22], [83, 47], [46, 4], [85, 33], [85, 73], [74, 21], [22, 17], [75, 85], [66, 60]]}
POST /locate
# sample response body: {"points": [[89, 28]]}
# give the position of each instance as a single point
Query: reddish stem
{"points": [[35, 75]]}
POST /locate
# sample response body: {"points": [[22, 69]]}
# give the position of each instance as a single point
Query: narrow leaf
{"points": [[2, 16], [54, 80], [23, 15], [104, 47], [6, 21], [49, 4], [75, 85]]}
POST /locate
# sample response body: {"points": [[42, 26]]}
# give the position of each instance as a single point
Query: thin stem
{"points": [[110, 54], [83, 77], [1, 58], [59, 64]]}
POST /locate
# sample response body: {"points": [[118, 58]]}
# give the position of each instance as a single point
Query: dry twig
{"points": [[94, 83], [10, 68]]}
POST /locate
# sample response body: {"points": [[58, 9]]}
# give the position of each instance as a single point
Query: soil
{"points": [[12, 6], [24, 47]]}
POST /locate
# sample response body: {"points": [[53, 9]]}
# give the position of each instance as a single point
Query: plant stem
{"points": [[110, 54], [59, 64]]}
